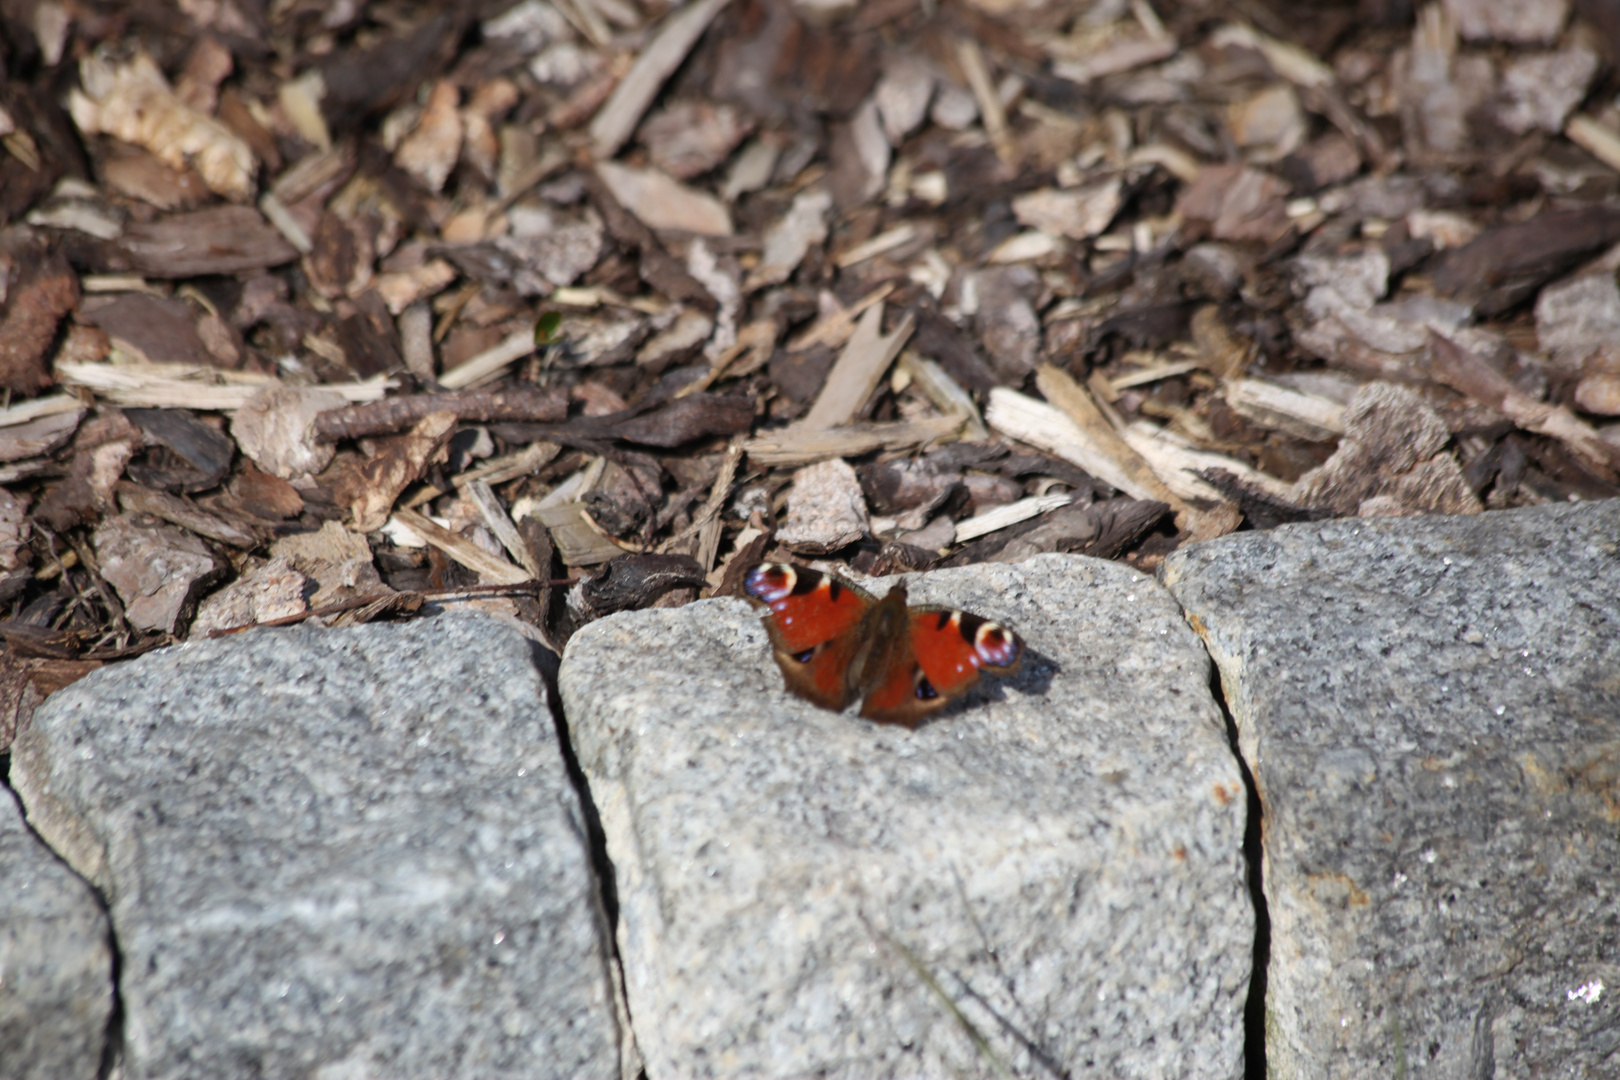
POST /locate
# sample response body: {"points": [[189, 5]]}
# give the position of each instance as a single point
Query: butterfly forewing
{"points": [[814, 627]]}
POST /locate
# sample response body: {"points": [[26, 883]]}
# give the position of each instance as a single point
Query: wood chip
{"points": [[578, 542], [177, 511], [1464, 372], [489, 568], [494, 515], [275, 426], [791, 238], [613, 124], [157, 570], [134, 102], [398, 462], [218, 240], [946, 394], [858, 370], [166, 386], [1305, 416], [491, 362], [430, 151], [660, 201], [796, 447], [1012, 513]]}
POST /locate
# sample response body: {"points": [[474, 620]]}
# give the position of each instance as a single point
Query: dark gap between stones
{"points": [[1254, 1009], [546, 663], [112, 1045]]}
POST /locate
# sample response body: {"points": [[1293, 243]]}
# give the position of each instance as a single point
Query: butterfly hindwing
{"points": [[946, 651], [814, 627]]}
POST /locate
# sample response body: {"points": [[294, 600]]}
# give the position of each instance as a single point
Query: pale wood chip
{"points": [[499, 470], [494, 515], [858, 371], [660, 201], [491, 362], [835, 329], [945, 393], [1008, 514], [1596, 138], [977, 70], [402, 288], [615, 121], [490, 568], [164, 386], [1305, 416], [797, 447], [578, 542], [50, 405], [134, 102]]}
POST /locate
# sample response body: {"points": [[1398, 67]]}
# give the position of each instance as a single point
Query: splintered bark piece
{"points": [[178, 511], [971, 57], [491, 568], [490, 362], [392, 415], [510, 466], [577, 542], [489, 508], [1305, 416], [1467, 374], [795, 447], [400, 461], [1504, 266], [1012, 513], [218, 240], [716, 502], [617, 119], [157, 569], [1076, 403], [50, 405], [945, 392], [162, 386], [859, 368], [1178, 466]]}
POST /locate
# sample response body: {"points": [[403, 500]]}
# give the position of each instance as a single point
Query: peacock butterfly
{"points": [[836, 642]]}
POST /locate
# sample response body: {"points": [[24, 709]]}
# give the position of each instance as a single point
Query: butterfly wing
{"points": [[815, 628], [945, 652]]}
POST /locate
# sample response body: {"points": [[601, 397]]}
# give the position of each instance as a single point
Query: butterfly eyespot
{"points": [[925, 690], [804, 657], [770, 583]]}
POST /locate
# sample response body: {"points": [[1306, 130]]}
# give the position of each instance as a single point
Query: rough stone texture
{"points": [[56, 987], [1431, 708], [333, 854], [1061, 850]]}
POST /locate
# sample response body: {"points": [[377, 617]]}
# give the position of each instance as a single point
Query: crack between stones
{"points": [[1254, 1008], [112, 1044], [547, 663]]}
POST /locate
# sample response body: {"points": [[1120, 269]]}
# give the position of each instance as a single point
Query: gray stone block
{"points": [[804, 893], [333, 854], [1431, 708], [56, 989]]}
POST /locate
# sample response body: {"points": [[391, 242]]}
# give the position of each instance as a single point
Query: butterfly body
{"points": [[837, 643]]}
